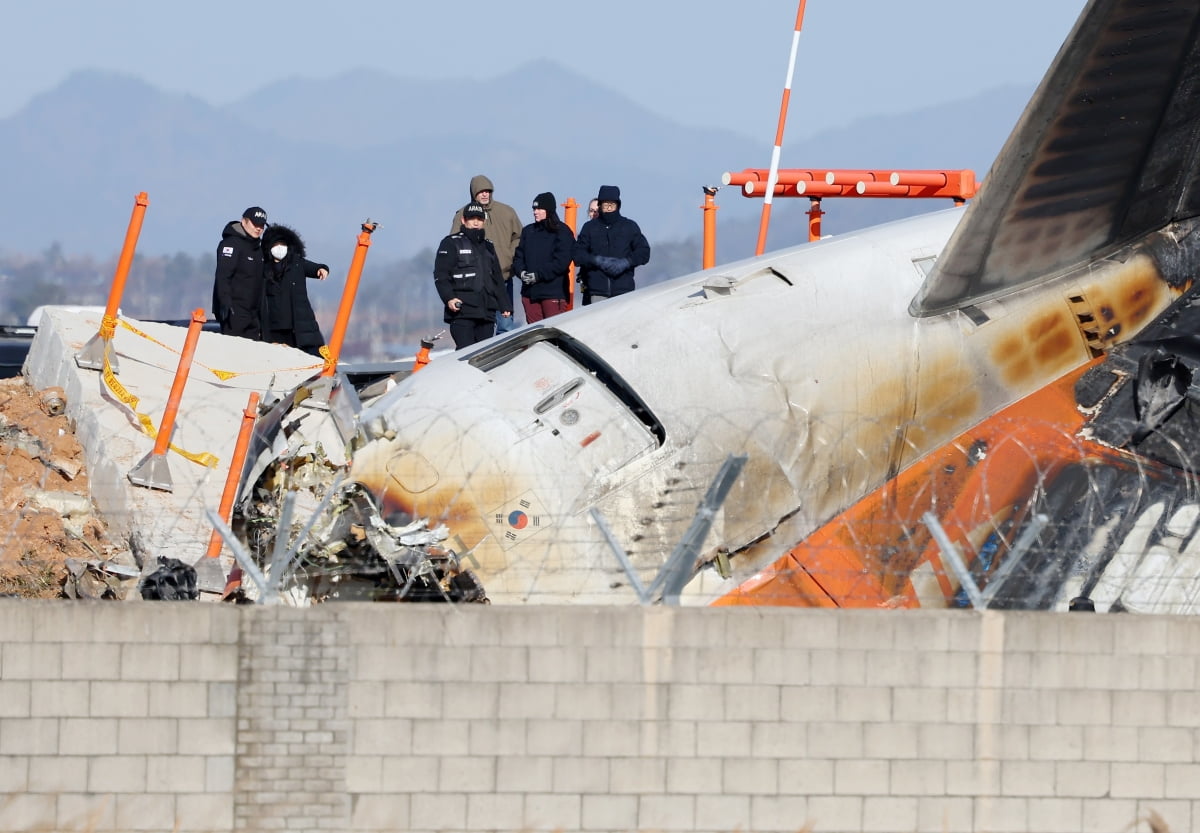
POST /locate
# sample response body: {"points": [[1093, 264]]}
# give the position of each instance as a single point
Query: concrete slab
{"points": [[157, 522]]}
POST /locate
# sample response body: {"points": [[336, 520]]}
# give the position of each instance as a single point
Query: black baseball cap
{"points": [[257, 216]]}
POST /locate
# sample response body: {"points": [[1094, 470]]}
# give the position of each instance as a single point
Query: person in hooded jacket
{"points": [[503, 227], [287, 314], [542, 259], [237, 284], [608, 249], [466, 273]]}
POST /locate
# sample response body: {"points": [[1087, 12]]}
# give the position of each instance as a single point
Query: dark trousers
{"points": [[538, 310], [468, 331]]}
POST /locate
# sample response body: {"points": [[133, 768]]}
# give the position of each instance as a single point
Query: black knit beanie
{"points": [[546, 200]]}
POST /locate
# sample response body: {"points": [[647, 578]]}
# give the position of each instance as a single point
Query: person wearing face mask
{"points": [[287, 314], [542, 259], [469, 281], [608, 249], [237, 284]]}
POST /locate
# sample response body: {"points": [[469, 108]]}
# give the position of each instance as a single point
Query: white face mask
{"points": [[279, 251]]}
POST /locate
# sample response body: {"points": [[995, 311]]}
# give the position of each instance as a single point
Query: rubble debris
{"points": [[97, 580]]}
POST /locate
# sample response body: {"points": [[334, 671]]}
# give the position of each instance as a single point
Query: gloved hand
{"points": [[612, 266], [529, 278]]}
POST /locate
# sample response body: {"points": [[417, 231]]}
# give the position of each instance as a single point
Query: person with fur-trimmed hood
{"points": [[287, 314], [502, 227]]}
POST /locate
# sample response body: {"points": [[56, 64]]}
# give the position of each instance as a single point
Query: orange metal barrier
{"points": [[91, 355], [235, 471], [709, 258], [816, 183], [153, 471], [338, 336], [570, 210]]}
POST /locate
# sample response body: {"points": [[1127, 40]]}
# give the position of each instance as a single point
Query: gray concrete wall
{"points": [[193, 717]]}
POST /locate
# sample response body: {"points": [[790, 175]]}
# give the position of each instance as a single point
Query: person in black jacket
{"points": [[542, 259], [608, 249], [287, 314], [237, 285], [469, 281]]}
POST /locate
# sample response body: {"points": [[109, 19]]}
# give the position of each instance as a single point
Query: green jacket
{"points": [[503, 227]]}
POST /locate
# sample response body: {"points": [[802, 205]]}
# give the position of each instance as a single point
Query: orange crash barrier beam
{"points": [[959, 186]]}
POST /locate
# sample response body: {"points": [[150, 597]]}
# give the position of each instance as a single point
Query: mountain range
{"points": [[324, 155]]}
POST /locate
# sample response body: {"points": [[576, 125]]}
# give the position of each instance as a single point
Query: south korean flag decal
{"points": [[517, 520], [227, 251]]}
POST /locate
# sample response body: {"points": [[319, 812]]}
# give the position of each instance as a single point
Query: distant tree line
{"points": [[396, 304]]}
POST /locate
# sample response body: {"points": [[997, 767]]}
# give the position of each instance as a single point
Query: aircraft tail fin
{"points": [[1107, 150]]}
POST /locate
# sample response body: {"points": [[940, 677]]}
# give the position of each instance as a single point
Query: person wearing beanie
{"points": [[238, 282], [287, 314], [542, 259], [502, 226], [608, 249], [467, 275]]}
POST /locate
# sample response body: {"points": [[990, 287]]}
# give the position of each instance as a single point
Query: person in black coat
{"points": [[237, 284], [542, 259], [608, 249], [469, 281], [287, 314]]}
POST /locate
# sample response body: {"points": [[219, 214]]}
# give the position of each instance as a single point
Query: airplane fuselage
{"points": [[807, 361]]}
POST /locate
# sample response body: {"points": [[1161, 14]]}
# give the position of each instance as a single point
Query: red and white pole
{"points": [[765, 219]]}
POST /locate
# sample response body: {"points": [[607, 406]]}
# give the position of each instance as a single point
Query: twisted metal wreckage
{"points": [[994, 405]]}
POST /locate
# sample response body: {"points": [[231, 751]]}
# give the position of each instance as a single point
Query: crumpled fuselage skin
{"points": [[807, 361]]}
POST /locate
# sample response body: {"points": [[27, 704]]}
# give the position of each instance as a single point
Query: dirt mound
{"points": [[48, 515]]}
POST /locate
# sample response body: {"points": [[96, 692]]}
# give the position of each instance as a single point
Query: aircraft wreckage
{"points": [[993, 405]]}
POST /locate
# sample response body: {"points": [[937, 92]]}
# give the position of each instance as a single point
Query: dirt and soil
{"points": [[50, 532]]}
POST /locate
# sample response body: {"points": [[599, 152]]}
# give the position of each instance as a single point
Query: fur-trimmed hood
{"points": [[276, 233]]}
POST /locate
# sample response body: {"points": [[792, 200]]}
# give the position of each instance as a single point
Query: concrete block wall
{"points": [[153, 716], [117, 716]]}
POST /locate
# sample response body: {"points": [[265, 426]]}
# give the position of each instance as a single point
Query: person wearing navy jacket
{"points": [[542, 259], [608, 249]]}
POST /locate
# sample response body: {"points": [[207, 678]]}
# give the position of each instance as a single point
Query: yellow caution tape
{"points": [[223, 375], [131, 402]]}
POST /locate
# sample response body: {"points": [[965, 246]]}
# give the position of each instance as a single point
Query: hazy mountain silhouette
{"points": [[324, 155]]}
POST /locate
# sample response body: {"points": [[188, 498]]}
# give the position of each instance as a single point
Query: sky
{"points": [[699, 62]]}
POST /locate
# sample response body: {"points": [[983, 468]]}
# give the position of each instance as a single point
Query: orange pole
{"points": [[765, 219], [348, 293], [108, 325], [814, 218], [235, 472], [570, 212], [181, 374], [710, 228], [422, 355]]}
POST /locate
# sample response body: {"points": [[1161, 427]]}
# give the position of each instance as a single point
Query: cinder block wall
{"points": [[161, 716]]}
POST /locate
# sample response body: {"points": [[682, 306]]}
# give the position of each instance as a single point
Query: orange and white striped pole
{"points": [[765, 219]]}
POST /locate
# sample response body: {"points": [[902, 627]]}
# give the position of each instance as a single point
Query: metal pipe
{"points": [[709, 256], [570, 214], [91, 356], [348, 293], [235, 470], [765, 219]]}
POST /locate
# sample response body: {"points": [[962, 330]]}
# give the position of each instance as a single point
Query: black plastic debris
{"points": [[172, 581]]}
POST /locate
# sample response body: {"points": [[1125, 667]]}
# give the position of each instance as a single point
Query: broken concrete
{"points": [[225, 370]]}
